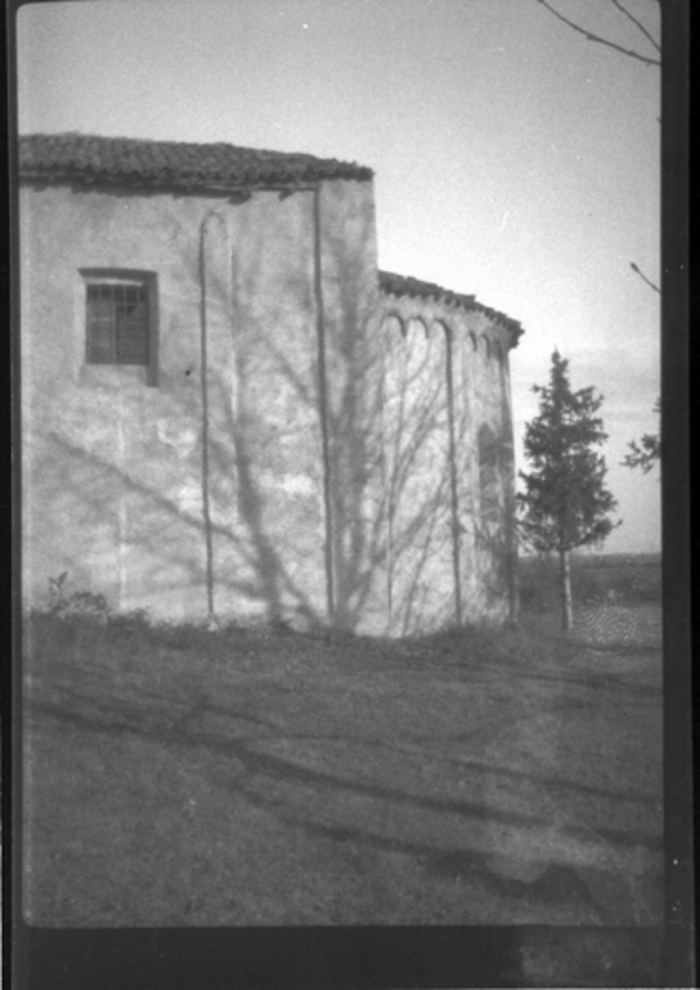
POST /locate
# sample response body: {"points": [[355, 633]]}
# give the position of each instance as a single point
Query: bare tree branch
{"points": [[643, 276], [629, 52], [639, 24]]}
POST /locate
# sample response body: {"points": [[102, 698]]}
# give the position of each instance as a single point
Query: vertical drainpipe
{"points": [[456, 528], [323, 405], [206, 511]]}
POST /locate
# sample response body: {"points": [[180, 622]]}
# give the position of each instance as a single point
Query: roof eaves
{"points": [[403, 285], [89, 160]]}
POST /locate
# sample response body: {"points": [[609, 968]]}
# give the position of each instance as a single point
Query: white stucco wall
{"points": [[113, 467]]}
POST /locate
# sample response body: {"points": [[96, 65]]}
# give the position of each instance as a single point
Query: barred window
{"points": [[121, 319]]}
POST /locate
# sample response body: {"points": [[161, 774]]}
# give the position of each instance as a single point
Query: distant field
{"points": [[619, 560], [632, 579]]}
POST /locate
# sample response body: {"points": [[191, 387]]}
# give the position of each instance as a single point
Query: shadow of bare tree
{"points": [[294, 462], [324, 754]]}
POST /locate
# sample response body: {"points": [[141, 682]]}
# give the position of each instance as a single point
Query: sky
{"points": [[514, 160]]}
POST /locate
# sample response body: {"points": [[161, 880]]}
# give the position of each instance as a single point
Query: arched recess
{"points": [[496, 561], [452, 369], [489, 478], [482, 371], [439, 326], [394, 332], [416, 325], [508, 479], [417, 465], [417, 339]]}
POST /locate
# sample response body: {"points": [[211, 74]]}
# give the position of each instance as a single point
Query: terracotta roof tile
{"points": [[88, 159], [392, 284]]}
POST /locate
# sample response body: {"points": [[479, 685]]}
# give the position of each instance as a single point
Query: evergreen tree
{"points": [[565, 503], [647, 453]]}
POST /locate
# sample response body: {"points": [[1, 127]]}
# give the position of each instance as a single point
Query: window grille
{"points": [[121, 320], [117, 324]]}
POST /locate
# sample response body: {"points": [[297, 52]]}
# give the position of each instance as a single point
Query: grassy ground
{"points": [[179, 777]]}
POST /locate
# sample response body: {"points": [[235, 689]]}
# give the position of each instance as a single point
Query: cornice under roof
{"points": [[392, 284]]}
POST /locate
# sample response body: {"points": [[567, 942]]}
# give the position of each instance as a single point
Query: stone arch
{"points": [[393, 330], [438, 323], [454, 408], [418, 345], [413, 326], [392, 321], [417, 472]]}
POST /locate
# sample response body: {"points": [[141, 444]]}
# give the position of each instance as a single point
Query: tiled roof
{"points": [[87, 159], [403, 285]]}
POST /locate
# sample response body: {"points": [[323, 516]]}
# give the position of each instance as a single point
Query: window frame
{"points": [[127, 277]]}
